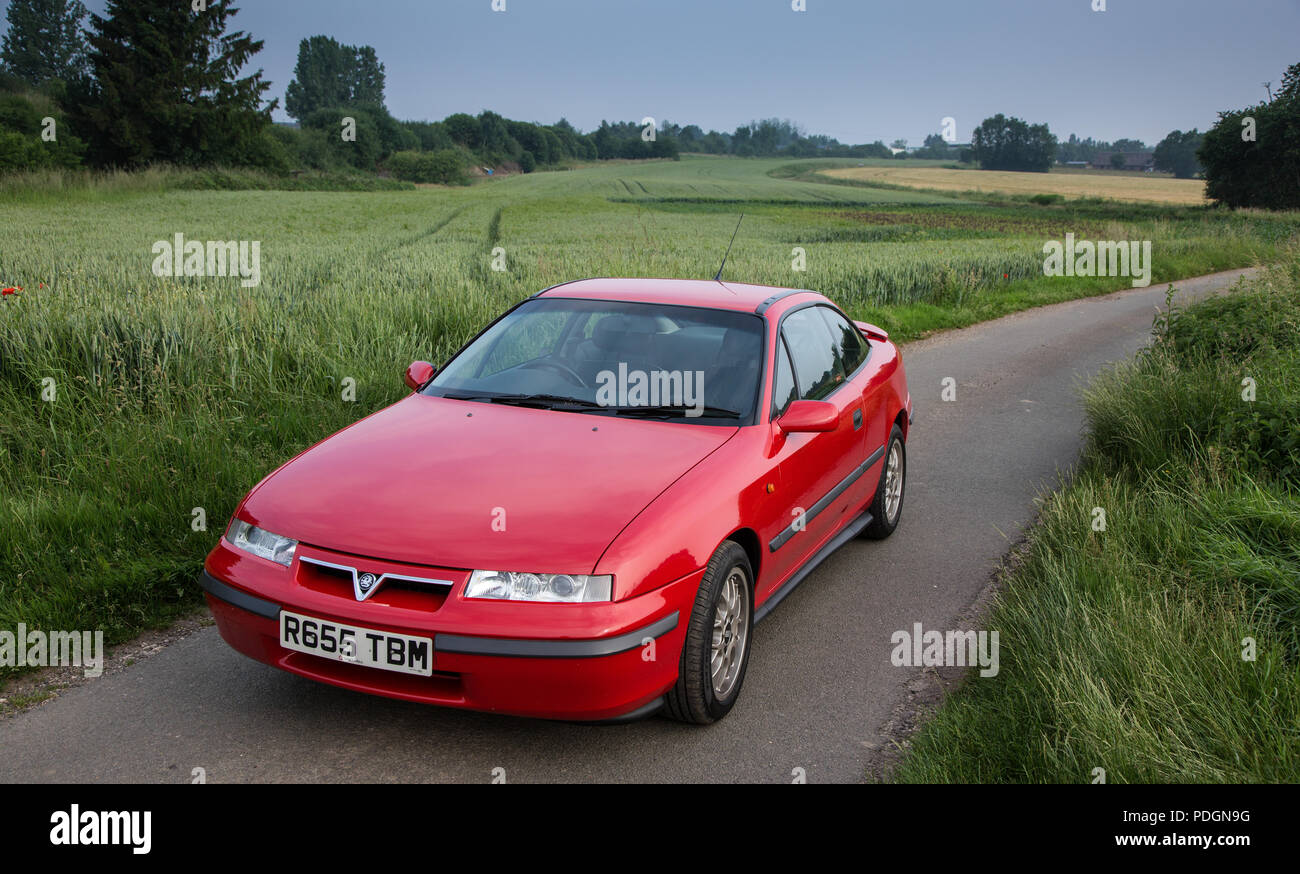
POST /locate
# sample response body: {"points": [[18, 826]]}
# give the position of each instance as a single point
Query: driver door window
{"points": [[818, 368], [784, 390]]}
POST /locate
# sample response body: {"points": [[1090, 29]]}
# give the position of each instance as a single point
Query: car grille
{"points": [[411, 587]]}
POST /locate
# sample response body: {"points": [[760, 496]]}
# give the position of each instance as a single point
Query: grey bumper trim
{"points": [[238, 597], [553, 649], [473, 645]]}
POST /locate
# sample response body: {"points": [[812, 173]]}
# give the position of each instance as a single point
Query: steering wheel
{"points": [[567, 372]]}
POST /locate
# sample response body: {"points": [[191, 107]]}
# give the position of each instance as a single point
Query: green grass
{"points": [[175, 394], [1123, 649]]}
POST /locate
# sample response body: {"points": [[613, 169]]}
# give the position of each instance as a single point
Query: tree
{"points": [[1176, 154], [1002, 143], [494, 137], [1117, 160], [368, 78], [1252, 156], [166, 87], [45, 40], [330, 74], [1127, 145], [935, 147], [463, 129]]}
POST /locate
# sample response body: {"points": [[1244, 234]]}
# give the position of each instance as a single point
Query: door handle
{"points": [[857, 419]]}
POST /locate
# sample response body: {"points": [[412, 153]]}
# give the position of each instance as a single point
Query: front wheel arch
{"points": [[693, 697]]}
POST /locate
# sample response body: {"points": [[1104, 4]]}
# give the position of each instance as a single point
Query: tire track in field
{"points": [[322, 274], [422, 235]]}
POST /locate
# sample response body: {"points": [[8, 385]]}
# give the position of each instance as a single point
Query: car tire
{"points": [[887, 505], [716, 651]]}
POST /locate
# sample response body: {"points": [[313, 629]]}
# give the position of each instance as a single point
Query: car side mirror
{"points": [[418, 374], [809, 416]]}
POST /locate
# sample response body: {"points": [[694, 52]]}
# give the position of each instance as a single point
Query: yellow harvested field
{"points": [[1156, 189]]}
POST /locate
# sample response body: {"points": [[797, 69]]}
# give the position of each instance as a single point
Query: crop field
{"points": [[1112, 186], [135, 409]]}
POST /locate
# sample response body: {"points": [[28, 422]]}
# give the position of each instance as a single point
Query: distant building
{"points": [[1132, 161], [911, 150]]}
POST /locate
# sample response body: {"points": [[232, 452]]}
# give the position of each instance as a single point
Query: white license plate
{"points": [[359, 646]]}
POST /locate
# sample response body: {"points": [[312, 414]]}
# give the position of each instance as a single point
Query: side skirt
{"points": [[853, 529]]}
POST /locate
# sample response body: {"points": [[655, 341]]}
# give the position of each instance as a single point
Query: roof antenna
{"points": [[718, 276]]}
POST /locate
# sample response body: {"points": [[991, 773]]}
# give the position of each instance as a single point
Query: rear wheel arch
{"points": [[901, 421]]}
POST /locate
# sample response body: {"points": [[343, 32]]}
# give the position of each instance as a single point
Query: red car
{"points": [[582, 514]]}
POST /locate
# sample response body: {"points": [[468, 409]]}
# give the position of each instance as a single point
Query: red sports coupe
{"points": [[582, 514]]}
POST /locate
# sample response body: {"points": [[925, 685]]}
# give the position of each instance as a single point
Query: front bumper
{"points": [[593, 662]]}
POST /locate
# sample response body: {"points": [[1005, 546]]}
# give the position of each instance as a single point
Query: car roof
{"points": [[714, 294]]}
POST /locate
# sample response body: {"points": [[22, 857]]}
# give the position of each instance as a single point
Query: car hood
{"points": [[460, 484]]}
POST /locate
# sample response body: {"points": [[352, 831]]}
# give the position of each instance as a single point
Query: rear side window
{"points": [[850, 347], [814, 352], [784, 391]]}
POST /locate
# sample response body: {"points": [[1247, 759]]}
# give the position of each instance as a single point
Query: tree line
{"points": [[154, 81]]}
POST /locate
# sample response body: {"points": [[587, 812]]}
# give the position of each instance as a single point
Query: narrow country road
{"points": [[820, 684]]}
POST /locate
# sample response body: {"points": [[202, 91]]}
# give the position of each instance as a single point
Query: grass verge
{"points": [[1163, 648]]}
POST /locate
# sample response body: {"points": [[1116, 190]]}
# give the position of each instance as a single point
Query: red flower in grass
{"points": [[13, 289]]}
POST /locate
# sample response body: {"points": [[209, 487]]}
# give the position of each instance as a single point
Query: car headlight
{"points": [[557, 588], [261, 543]]}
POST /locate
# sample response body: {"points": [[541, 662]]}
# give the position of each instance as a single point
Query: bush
{"points": [[445, 166], [312, 149], [364, 152], [378, 135], [21, 125]]}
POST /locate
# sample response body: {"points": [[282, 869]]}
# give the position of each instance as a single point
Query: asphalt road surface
{"points": [[820, 684]]}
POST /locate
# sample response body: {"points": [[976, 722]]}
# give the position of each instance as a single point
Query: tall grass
{"points": [[1123, 649]]}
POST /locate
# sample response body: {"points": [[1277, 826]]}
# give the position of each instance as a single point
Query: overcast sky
{"points": [[857, 70]]}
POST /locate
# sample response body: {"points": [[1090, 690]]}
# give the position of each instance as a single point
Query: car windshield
{"points": [[673, 363]]}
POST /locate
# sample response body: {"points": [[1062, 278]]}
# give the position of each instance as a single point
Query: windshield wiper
{"points": [[548, 401], [543, 401], [672, 411]]}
